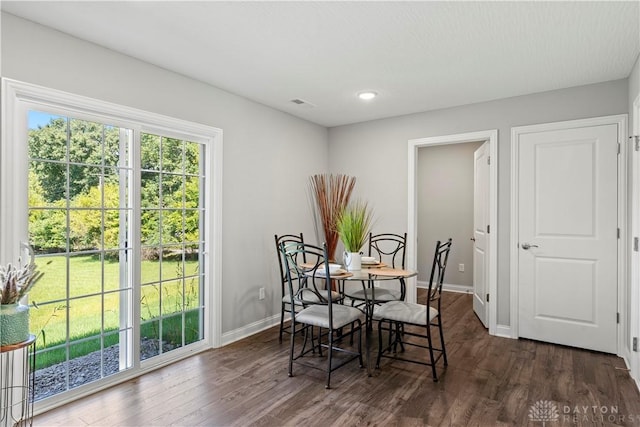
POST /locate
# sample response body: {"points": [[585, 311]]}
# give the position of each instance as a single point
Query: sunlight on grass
{"points": [[85, 308]]}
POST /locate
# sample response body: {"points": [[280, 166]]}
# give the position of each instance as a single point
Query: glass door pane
{"points": [[79, 222], [172, 209]]}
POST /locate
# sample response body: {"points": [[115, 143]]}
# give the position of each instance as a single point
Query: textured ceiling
{"points": [[418, 56]]}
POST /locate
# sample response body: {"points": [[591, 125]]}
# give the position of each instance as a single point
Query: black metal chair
{"points": [[389, 249], [393, 316], [320, 309], [286, 303]]}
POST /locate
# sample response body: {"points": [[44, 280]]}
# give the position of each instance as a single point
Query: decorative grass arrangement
{"points": [[17, 281], [331, 195], [353, 225]]}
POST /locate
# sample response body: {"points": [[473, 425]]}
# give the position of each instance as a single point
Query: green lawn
{"points": [[49, 320]]}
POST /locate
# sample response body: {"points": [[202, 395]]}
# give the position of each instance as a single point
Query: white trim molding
{"points": [[503, 331], [412, 224], [448, 287], [251, 329], [632, 358]]}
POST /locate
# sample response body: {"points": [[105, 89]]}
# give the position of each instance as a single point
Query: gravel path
{"points": [[52, 380]]}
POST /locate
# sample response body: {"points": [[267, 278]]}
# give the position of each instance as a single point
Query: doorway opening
{"points": [[491, 138]]}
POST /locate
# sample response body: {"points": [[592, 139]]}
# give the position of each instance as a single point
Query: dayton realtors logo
{"points": [[544, 411], [597, 414]]}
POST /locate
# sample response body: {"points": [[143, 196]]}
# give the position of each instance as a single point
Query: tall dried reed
{"points": [[331, 195]]}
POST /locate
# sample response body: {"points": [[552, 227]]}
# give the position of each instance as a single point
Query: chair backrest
{"points": [[310, 265], [389, 248], [285, 238], [438, 268]]}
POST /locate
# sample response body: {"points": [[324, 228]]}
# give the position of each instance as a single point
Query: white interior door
{"points": [[567, 233], [480, 225]]}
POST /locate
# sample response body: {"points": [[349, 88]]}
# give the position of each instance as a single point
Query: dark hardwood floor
{"points": [[490, 381]]}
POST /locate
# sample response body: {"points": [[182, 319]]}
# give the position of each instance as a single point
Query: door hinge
{"points": [[488, 229], [634, 345], [636, 142], [618, 233], [487, 297], [617, 317], [618, 148], [488, 160], [635, 244]]}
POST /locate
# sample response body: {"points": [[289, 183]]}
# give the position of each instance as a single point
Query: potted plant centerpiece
{"points": [[15, 283], [353, 226], [330, 195]]}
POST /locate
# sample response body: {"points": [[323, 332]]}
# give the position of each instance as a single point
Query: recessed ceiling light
{"points": [[367, 95]]}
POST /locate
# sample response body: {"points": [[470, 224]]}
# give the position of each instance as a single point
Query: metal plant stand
{"points": [[17, 380]]}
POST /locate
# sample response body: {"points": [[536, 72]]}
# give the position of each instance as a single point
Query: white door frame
{"points": [[633, 358], [621, 121], [412, 229]]}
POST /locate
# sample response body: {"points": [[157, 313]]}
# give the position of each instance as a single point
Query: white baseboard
{"points": [[504, 331], [250, 329], [464, 289], [626, 357]]}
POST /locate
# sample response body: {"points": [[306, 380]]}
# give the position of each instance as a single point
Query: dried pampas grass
{"points": [[330, 195]]}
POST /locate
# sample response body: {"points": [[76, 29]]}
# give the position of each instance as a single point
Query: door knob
{"points": [[473, 239], [526, 246]]}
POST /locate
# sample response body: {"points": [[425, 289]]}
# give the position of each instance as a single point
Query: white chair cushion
{"points": [[381, 294], [318, 315], [401, 311]]}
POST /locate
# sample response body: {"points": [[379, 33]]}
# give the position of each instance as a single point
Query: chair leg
{"points": [[380, 349], [313, 341], [397, 338], [359, 343], [444, 350], [329, 359], [400, 335], [281, 322], [433, 361], [291, 349], [319, 340]]}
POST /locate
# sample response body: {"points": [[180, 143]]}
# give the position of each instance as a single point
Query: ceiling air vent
{"points": [[302, 103]]}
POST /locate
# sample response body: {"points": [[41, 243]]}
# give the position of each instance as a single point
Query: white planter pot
{"points": [[353, 261]]}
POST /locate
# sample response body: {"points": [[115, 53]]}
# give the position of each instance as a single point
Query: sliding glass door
{"points": [[93, 188], [116, 206]]}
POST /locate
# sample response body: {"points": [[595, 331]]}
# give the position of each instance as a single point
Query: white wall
{"points": [[264, 178], [376, 151], [634, 87], [445, 208]]}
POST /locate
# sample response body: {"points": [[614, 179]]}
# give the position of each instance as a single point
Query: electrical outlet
{"points": [[261, 294], [461, 268]]}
